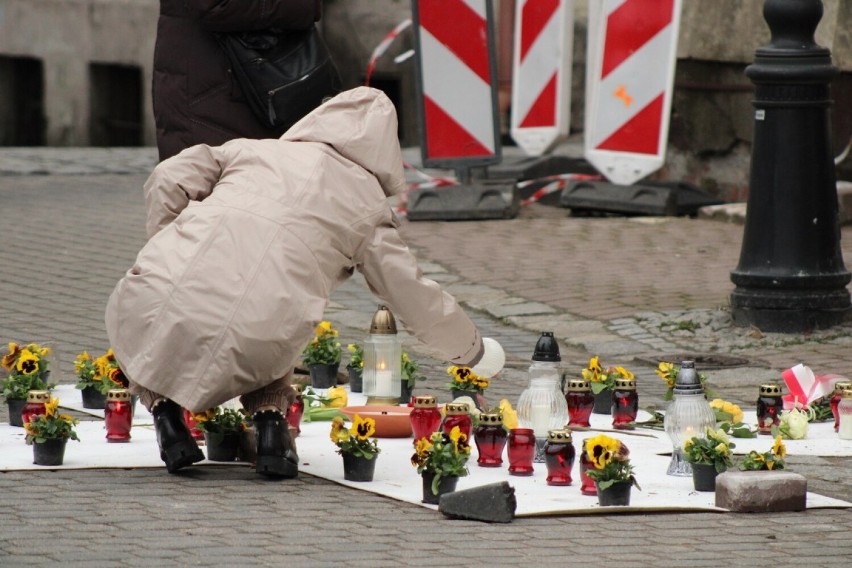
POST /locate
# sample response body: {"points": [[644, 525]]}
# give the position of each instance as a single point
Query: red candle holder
{"points": [[587, 484], [559, 457], [425, 417], [490, 437], [118, 415], [521, 451], [296, 410], [839, 387], [581, 402], [769, 407], [625, 403], [36, 399], [197, 434], [458, 414]]}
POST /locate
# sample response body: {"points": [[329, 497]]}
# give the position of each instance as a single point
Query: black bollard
{"points": [[791, 277]]}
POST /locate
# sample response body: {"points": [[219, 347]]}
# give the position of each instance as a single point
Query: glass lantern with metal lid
{"points": [[542, 405], [383, 360], [688, 415]]}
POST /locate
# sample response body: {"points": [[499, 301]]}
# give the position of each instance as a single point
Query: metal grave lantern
{"points": [[383, 360]]}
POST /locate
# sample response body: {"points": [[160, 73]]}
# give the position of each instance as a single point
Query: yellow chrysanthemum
{"points": [[363, 428], [778, 448]]}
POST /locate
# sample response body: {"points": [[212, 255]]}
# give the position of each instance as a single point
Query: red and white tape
{"points": [[553, 183], [383, 47]]}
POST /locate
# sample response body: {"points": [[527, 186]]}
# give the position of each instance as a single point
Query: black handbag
{"points": [[283, 75]]}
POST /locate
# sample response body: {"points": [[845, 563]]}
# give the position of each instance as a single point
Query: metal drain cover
{"points": [[702, 361]]}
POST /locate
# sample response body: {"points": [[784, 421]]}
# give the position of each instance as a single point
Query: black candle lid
{"points": [[546, 348]]}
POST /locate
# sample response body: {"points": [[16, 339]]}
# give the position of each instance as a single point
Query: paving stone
{"points": [[493, 503], [761, 491]]}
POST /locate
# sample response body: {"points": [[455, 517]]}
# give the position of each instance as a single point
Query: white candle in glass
{"points": [[383, 379], [540, 418]]}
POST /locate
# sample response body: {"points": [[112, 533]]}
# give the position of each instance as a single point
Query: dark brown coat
{"points": [[195, 99]]}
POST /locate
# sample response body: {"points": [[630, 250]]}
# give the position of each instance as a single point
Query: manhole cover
{"points": [[702, 361]]}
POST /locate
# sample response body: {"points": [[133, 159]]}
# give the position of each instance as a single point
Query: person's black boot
{"points": [[177, 448], [275, 454]]}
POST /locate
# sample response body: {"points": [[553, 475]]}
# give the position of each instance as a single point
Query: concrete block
{"points": [[493, 503], [649, 198], [481, 199], [761, 491]]}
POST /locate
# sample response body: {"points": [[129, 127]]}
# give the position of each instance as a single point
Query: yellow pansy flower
{"points": [[51, 406], [778, 448], [624, 372], [27, 362], [459, 440], [363, 427], [601, 449], [339, 433]]}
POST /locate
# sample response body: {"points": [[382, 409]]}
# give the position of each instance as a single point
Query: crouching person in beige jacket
{"points": [[246, 243]]}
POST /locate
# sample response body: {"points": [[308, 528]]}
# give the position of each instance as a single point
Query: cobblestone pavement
{"points": [[628, 290]]}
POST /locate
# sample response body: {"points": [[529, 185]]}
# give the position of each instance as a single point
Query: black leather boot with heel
{"points": [[275, 454], [177, 448]]}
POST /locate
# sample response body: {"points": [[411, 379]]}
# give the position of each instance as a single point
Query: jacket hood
{"points": [[361, 125]]}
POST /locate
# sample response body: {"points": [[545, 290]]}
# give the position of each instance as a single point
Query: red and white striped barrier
{"points": [[541, 74], [632, 56], [457, 82], [551, 184]]}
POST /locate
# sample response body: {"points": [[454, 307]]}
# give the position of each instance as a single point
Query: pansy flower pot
{"points": [[616, 494], [358, 468], [49, 452], [447, 484]]}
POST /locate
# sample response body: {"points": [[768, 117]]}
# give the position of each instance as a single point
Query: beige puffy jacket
{"points": [[249, 239]]}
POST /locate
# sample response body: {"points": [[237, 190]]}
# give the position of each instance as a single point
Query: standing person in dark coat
{"points": [[195, 99]]}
